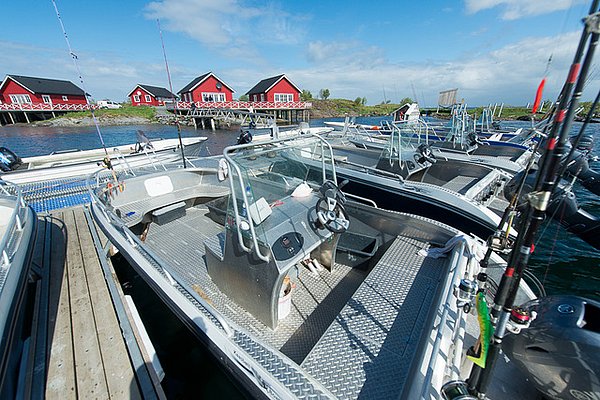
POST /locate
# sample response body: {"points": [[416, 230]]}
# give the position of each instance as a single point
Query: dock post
{"points": [[202, 123], [53, 115], [11, 118], [212, 124], [26, 117], [195, 123]]}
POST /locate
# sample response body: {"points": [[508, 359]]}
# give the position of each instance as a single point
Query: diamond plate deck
{"points": [[316, 300], [459, 184], [371, 346]]}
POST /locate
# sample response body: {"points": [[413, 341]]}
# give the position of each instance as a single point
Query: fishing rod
{"points": [[162, 42], [539, 199], [575, 143], [85, 94]]}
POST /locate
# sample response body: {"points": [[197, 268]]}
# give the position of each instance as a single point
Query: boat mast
{"points": [[538, 200]]}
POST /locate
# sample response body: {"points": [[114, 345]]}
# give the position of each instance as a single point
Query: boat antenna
{"points": [[85, 93], [539, 198], [162, 42]]}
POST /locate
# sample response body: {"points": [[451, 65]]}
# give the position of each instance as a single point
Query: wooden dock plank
{"points": [[61, 382], [120, 376], [89, 369]]}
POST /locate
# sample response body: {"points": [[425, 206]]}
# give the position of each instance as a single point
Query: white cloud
{"points": [[229, 26], [510, 74], [515, 9], [348, 69]]}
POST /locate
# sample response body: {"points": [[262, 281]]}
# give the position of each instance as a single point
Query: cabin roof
{"points": [[155, 91], [197, 81], [45, 85], [266, 84]]}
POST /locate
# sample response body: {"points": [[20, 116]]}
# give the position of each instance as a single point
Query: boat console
{"points": [[290, 222]]}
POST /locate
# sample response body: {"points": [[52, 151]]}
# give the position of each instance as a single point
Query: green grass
{"points": [[125, 111], [345, 106]]}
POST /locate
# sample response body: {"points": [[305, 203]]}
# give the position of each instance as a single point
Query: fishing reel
{"points": [[520, 318], [500, 242], [465, 294]]}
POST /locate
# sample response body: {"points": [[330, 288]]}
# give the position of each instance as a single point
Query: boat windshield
{"points": [[264, 174]]}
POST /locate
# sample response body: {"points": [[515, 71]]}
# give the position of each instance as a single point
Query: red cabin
{"points": [[26, 90], [278, 89], [146, 95], [207, 88]]}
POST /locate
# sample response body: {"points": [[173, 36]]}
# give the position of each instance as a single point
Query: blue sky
{"points": [[492, 50]]}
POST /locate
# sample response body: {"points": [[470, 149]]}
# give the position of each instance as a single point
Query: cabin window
{"points": [[255, 97], [148, 100], [46, 99], [136, 98], [284, 97], [65, 98], [20, 98], [213, 97]]}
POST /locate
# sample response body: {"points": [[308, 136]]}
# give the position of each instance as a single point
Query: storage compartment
{"points": [[169, 213], [355, 249]]}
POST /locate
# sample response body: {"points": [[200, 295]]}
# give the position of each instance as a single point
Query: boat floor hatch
{"points": [[379, 332]]}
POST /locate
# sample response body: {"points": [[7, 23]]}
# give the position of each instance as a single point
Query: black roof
{"points": [[48, 86], [157, 91], [262, 86], [193, 83]]}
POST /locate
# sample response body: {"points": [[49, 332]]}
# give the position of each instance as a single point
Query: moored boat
{"points": [[83, 162], [18, 225], [301, 291]]}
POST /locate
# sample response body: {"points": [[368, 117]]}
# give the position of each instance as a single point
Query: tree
{"points": [[364, 101], [306, 95], [324, 94], [406, 100], [358, 101], [243, 97]]}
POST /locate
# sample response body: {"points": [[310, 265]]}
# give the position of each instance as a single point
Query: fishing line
{"points": [[85, 94], [162, 42], [107, 161]]}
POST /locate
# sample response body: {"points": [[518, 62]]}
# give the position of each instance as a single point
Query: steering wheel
{"points": [[424, 154], [330, 208], [474, 139]]}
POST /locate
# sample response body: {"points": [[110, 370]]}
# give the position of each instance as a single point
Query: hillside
{"points": [[340, 107]]}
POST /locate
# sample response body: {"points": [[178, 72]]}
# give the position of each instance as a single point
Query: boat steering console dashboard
{"points": [[300, 223]]}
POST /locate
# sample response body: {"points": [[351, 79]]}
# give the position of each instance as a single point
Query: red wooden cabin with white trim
{"points": [[207, 88], [277, 89], [146, 95], [25, 90]]}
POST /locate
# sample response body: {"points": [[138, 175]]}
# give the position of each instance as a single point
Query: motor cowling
{"points": [[245, 137], [560, 351], [9, 161]]}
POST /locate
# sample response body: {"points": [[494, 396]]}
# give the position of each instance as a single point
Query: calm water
{"points": [[563, 262]]}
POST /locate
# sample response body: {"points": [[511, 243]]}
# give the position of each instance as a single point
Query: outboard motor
{"points": [[560, 351], [586, 143], [9, 161], [563, 207], [245, 137]]}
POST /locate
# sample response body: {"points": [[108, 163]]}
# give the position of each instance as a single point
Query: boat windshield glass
{"points": [[263, 174]]}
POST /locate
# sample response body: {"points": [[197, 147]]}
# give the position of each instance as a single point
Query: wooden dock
{"points": [[85, 346]]}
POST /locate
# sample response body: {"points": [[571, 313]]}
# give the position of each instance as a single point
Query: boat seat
{"points": [[133, 212], [167, 214]]}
